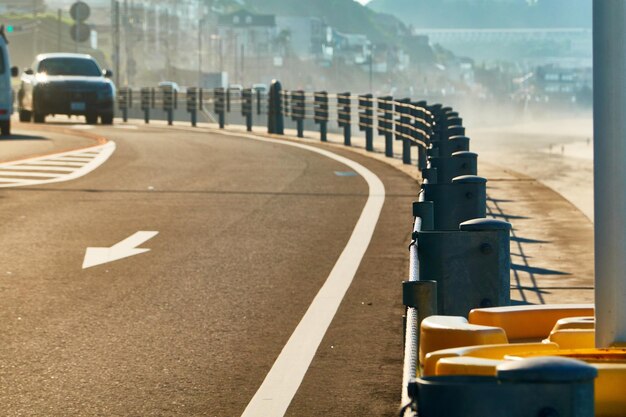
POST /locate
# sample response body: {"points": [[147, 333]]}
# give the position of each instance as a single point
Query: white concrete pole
{"points": [[609, 79]]}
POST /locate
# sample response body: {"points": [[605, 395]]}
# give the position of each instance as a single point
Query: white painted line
{"points": [[40, 168], [121, 250], [17, 181], [84, 168], [281, 383], [53, 163], [73, 158], [26, 174]]}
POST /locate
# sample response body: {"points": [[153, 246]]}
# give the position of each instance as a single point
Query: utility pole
{"points": [[609, 101], [243, 50], [125, 21], [59, 27], [115, 16], [200, 51]]}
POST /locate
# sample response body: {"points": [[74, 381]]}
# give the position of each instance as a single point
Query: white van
{"points": [[6, 91]]}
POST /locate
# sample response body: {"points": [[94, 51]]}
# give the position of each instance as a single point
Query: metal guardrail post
{"points": [[169, 99], [275, 118], [402, 109], [258, 102], [459, 143], [422, 133], [344, 112], [218, 103], [298, 111], [366, 119], [192, 104], [153, 98], [246, 107], [385, 122], [320, 111], [539, 387], [227, 92], [458, 164], [122, 102], [145, 94], [470, 265], [463, 199]]}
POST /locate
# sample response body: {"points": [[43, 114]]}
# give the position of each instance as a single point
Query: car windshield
{"points": [[69, 66]]}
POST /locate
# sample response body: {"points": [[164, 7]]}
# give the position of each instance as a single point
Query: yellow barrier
{"points": [[496, 351], [443, 332], [528, 322]]}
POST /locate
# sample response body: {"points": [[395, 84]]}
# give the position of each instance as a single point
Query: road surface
{"points": [[242, 234]]}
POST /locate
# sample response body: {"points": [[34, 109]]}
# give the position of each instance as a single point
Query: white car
{"points": [[6, 91]]}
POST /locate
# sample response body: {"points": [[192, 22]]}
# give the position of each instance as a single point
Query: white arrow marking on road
{"points": [[123, 249]]}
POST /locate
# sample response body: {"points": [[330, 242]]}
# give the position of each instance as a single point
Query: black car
{"points": [[71, 84]]}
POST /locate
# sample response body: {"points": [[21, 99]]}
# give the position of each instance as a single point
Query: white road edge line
{"points": [[274, 396]]}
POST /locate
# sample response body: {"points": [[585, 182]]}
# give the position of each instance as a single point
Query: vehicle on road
{"points": [[65, 83], [169, 86], [6, 91], [262, 88]]}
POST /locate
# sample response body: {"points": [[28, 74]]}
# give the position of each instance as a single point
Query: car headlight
{"points": [[105, 91]]}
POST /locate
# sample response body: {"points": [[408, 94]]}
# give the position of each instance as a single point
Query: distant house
{"points": [[308, 35], [255, 33], [556, 81], [350, 47]]}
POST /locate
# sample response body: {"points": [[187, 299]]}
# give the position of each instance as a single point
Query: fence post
{"points": [[145, 104], [344, 112], [168, 104], [471, 265], [275, 118], [218, 103], [246, 107], [401, 108], [258, 102], [385, 122], [122, 102], [298, 111], [366, 120], [320, 112], [192, 104]]}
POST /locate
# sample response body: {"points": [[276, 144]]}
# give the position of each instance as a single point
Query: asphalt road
{"points": [[248, 232]]}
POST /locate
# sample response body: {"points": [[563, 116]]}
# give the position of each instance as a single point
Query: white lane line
{"points": [[282, 382]]}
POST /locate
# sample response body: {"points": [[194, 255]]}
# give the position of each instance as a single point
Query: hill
{"points": [[345, 15], [484, 14]]}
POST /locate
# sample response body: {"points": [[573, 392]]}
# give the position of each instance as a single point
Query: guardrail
{"points": [[412, 123], [459, 259]]}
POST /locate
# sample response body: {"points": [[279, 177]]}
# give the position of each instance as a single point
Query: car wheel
{"points": [[91, 119], [39, 117], [25, 116], [5, 127], [106, 119]]}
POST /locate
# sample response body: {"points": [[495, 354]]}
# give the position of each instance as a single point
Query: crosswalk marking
{"points": [[59, 167]]}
